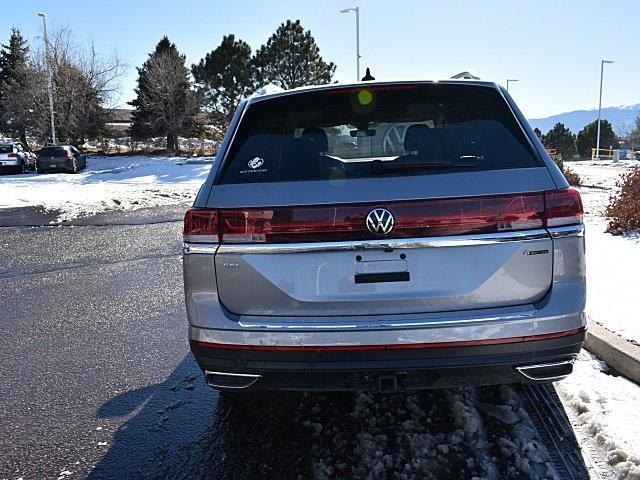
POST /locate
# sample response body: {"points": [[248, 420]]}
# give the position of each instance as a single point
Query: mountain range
{"points": [[622, 119]]}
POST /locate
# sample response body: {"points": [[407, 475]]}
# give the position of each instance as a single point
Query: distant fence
{"points": [[615, 154]]}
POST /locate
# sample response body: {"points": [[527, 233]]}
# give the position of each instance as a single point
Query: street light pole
{"points": [[357, 12], [49, 75], [600, 107], [511, 80]]}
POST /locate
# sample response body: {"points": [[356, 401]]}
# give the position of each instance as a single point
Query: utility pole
{"points": [[600, 107], [357, 12], [511, 80], [49, 76]]}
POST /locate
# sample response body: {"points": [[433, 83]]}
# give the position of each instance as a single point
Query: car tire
{"points": [[74, 166]]}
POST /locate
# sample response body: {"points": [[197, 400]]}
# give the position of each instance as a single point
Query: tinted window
{"points": [[6, 149], [53, 152], [377, 130]]}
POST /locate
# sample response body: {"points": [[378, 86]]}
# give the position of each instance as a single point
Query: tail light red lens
{"points": [[13, 155], [423, 218], [201, 225], [563, 207]]}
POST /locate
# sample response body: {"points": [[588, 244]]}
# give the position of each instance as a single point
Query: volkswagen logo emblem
{"points": [[380, 221]]}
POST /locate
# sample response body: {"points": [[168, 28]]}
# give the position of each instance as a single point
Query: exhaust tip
{"points": [[546, 372], [230, 381]]}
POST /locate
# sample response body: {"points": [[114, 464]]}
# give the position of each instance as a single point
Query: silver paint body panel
{"points": [[462, 288]]}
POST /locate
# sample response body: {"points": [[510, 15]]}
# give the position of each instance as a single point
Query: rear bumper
{"points": [[55, 165], [388, 367], [10, 163]]}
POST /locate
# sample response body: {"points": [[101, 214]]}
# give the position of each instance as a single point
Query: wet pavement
{"points": [[96, 381]]}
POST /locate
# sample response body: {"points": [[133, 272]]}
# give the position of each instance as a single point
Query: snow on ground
{"points": [[608, 406], [613, 262], [474, 433], [108, 183]]}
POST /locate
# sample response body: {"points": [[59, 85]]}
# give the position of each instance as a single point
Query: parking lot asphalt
{"points": [[96, 380]]}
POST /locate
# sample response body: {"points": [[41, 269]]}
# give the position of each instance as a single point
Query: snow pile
{"points": [[608, 406], [127, 144], [457, 433], [108, 183]]}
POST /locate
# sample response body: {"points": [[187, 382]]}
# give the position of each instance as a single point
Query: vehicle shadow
{"points": [[183, 429]]}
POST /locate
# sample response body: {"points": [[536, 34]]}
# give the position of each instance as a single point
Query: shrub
{"points": [[623, 210], [572, 177]]}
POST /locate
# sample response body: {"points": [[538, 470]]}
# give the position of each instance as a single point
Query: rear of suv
{"points": [[15, 158], [60, 158], [384, 236]]}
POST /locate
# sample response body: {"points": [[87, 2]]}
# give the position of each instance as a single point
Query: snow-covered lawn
{"points": [[108, 183], [613, 262], [607, 405]]}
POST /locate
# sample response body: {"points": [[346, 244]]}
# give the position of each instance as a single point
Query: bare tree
{"points": [[84, 85]]}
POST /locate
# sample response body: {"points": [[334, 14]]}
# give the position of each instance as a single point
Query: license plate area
{"points": [[380, 271], [382, 277]]}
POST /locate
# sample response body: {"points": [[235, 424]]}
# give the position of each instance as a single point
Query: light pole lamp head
{"points": [[607, 61], [41, 14], [347, 10]]}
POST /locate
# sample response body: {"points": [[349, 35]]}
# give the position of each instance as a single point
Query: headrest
{"points": [[300, 154], [416, 137], [319, 136]]}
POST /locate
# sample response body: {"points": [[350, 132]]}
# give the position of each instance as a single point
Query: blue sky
{"points": [[553, 47]]}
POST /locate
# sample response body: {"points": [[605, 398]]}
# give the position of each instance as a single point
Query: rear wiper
{"points": [[379, 167]]}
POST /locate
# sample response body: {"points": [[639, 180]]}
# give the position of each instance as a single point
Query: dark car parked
{"points": [[65, 158], [15, 158]]}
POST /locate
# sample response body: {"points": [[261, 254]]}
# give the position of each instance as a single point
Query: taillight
{"points": [[563, 207], [201, 225], [13, 155], [425, 218], [412, 219]]}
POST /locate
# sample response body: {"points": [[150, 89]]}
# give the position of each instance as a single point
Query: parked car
{"points": [[14, 157], [445, 248], [66, 158]]}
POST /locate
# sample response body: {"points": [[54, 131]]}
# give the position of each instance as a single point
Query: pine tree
{"points": [[165, 103], [538, 133], [587, 137], [16, 86], [225, 77], [291, 58], [561, 138]]}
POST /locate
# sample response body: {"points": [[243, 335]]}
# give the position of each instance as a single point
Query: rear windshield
{"points": [[6, 148], [377, 130], [53, 152]]}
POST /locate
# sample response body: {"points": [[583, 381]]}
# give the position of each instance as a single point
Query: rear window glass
{"points": [[378, 130], [53, 152], [6, 149]]}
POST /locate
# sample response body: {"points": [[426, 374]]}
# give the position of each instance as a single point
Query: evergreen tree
{"points": [[165, 104], [634, 135], [587, 137], [539, 134], [291, 58], [561, 138], [225, 77], [16, 87]]}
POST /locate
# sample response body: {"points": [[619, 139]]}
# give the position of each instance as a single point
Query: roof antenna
{"points": [[367, 76]]}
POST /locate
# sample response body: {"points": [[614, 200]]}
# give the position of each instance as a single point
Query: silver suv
{"points": [[384, 236]]}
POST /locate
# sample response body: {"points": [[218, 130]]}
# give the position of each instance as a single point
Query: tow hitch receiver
{"points": [[387, 383]]}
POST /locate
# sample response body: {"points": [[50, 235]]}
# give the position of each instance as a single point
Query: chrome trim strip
{"points": [[522, 370], [382, 324], [393, 243], [249, 376], [199, 248], [568, 231]]}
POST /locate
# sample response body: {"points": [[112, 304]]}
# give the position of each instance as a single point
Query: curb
{"points": [[620, 354]]}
